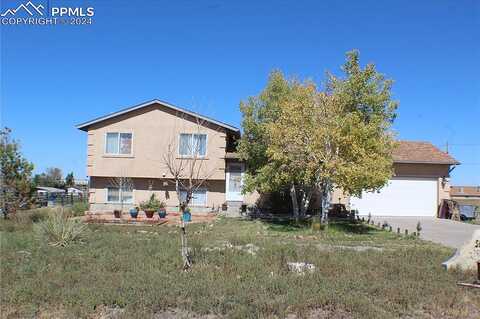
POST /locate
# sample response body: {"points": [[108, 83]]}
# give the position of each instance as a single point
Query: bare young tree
{"points": [[185, 159]]}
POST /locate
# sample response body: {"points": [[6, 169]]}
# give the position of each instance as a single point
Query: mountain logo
{"points": [[28, 7]]}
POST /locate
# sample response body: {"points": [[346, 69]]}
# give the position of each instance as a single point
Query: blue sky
{"points": [[209, 55]]}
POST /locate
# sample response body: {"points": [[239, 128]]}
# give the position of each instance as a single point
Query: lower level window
{"points": [[199, 197], [116, 195]]}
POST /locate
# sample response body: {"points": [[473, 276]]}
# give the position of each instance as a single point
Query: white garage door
{"points": [[401, 197]]}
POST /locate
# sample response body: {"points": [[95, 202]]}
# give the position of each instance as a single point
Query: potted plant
{"points": [[134, 212], [187, 216], [117, 213], [162, 210], [150, 206]]}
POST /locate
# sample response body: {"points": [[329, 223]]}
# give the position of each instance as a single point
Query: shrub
{"points": [[31, 215], [153, 203], [59, 229], [79, 208]]}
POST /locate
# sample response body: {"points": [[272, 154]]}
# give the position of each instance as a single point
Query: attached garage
{"points": [[420, 183], [401, 197]]}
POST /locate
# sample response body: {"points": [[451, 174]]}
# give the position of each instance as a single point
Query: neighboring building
{"points": [[47, 196], [466, 195], [44, 190], [74, 191], [82, 185], [133, 143]]}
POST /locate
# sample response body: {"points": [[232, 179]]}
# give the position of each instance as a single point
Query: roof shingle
{"points": [[421, 152]]}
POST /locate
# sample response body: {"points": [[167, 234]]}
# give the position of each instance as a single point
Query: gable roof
{"points": [[84, 126], [466, 191], [421, 152], [50, 189]]}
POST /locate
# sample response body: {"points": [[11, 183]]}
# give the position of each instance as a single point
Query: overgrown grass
{"points": [[138, 269]]}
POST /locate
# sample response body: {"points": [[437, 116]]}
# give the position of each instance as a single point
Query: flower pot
{"points": [[162, 212], [149, 213], [134, 212], [186, 216], [117, 213]]}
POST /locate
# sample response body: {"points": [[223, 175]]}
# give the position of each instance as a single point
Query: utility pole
{"points": [[446, 147]]}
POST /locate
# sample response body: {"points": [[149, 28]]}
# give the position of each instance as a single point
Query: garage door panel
{"points": [[401, 197]]}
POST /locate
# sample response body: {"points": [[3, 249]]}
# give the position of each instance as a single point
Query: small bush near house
{"points": [[79, 208], [31, 215], [59, 229], [153, 203]]}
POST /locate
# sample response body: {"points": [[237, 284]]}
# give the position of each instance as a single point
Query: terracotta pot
{"points": [[149, 213]]}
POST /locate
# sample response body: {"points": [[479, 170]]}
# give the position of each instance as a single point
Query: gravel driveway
{"points": [[443, 231]]}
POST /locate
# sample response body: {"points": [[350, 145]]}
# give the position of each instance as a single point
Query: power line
{"points": [[472, 144]]}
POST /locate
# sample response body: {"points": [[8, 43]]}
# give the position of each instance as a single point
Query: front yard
{"points": [[240, 271]]}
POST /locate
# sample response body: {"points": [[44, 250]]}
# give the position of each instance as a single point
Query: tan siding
{"points": [[340, 197], [251, 198], [144, 188], [153, 128], [421, 170]]}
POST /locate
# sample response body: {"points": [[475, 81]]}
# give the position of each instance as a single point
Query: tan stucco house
{"points": [[132, 143]]}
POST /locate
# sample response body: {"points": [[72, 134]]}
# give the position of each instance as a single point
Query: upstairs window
{"points": [[193, 145], [118, 144]]}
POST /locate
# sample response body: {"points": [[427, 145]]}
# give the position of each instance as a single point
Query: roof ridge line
{"points": [[84, 125]]}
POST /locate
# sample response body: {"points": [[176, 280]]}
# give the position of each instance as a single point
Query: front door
{"points": [[234, 182]]}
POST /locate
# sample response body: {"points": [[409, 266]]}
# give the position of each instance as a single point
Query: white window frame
{"points": [[118, 154], [193, 155], [206, 197], [120, 194]]}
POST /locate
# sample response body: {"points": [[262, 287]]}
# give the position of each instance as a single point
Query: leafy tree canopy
{"points": [[69, 180], [15, 175], [299, 137], [53, 177]]}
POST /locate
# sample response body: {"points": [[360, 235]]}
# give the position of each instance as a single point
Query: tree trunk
{"points": [[325, 202], [187, 261], [293, 196], [307, 196]]}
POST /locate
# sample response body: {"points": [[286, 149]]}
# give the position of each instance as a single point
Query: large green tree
{"points": [[300, 138], [53, 177], [15, 175], [69, 180]]}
